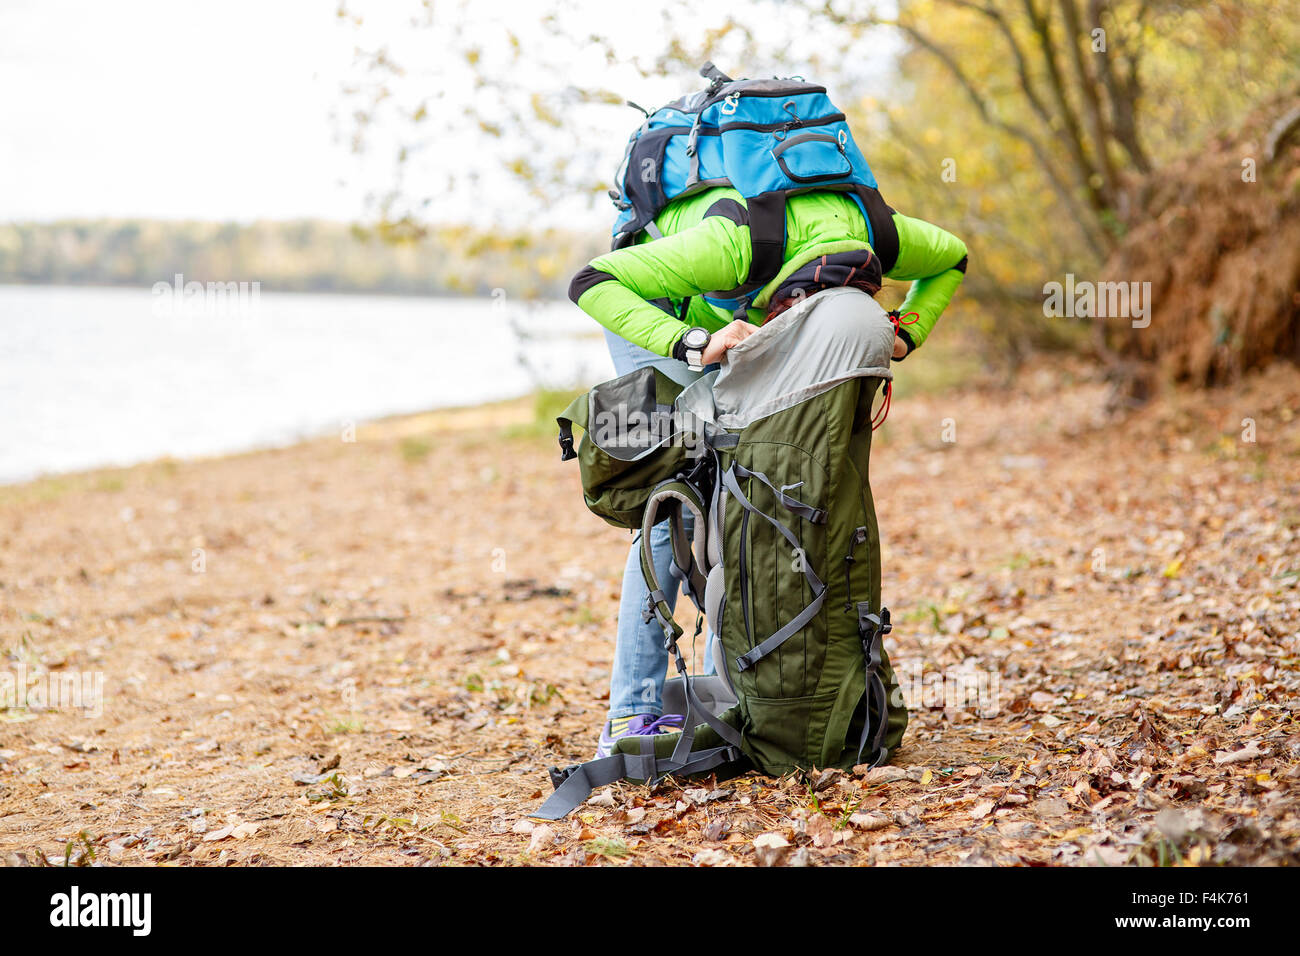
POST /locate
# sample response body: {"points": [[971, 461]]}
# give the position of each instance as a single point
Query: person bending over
{"points": [[651, 299]]}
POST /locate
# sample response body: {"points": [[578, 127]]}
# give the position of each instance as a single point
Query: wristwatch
{"points": [[690, 347]]}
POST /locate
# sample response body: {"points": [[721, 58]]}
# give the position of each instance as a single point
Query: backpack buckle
{"points": [[692, 141], [872, 627], [561, 774], [715, 77]]}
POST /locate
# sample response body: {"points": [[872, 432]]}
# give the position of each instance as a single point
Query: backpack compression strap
{"points": [[873, 628], [815, 515]]}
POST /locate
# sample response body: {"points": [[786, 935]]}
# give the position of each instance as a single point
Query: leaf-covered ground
{"points": [[371, 651]]}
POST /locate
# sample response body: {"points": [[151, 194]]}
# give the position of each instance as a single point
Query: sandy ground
{"points": [[370, 651]]}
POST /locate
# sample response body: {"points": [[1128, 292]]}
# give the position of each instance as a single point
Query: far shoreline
{"points": [[517, 412]]}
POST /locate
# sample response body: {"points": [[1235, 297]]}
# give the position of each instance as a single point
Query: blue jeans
{"points": [[636, 683]]}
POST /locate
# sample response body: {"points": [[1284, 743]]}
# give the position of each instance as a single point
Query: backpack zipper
{"points": [[785, 125]]}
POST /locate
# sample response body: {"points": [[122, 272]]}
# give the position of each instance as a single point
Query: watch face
{"points": [[696, 338]]}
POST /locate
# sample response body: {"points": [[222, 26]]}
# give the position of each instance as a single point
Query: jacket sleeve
{"points": [[935, 261], [615, 289]]}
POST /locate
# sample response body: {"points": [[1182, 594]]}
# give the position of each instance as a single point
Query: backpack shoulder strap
{"points": [[767, 235], [671, 497], [573, 785], [765, 216], [880, 226]]}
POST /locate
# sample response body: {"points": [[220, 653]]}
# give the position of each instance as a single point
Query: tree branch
{"points": [[1087, 82], [1122, 94], [1022, 66], [1085, 171], [1083, 221]]}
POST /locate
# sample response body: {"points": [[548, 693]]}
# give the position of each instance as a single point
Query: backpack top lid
{"points": [[762, 137]]}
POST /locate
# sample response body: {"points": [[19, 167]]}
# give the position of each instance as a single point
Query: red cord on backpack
{"points": [[881, 415], [897, 320]]}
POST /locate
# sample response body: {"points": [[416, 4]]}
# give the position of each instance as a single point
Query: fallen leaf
{"points": [[715, 830], [770, 849], [1173, 824], [1106, 856], [1052, 807], [543, 836], [800, 857], [876, 775], [824, 780], [821, 830], [868, 821], [1251, 751], [713, 857]]}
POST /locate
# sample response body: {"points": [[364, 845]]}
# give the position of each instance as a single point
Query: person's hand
{"points": [[900, 347], [731, 334]]}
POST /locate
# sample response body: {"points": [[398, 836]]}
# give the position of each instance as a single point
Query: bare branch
{"points": [[1027, 85], [1063, 192], [1084, 169], [1287, 124], [1087, 84], [1122, 93]]}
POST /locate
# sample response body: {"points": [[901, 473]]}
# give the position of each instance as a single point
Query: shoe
{"points": [[640, 725]]}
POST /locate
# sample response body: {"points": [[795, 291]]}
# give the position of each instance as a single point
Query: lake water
{"points": [[95, 376]]}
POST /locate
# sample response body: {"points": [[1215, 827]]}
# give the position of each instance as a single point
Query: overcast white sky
{"points": [[171, 109], [222, 109]]}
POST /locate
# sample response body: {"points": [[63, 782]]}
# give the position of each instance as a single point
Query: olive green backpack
{"points": [[770, 457]]}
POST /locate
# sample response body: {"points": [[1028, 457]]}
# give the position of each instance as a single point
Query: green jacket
{"points": [[705, 247]]}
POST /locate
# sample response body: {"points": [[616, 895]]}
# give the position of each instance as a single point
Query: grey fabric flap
{"points": [[829, 338], [713, 692]]}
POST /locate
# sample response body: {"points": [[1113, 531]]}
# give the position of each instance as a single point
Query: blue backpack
{"points": [[767, 139]]}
